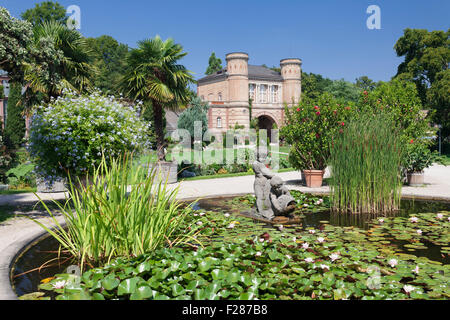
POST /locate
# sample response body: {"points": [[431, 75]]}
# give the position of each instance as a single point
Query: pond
{"points": [[41, 261]]}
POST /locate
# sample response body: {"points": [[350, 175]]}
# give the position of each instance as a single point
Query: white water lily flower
{"points": [[312, 231], [414, 219], [408, 288], [59, 284], [416, 270], [280, 228], [261, 239], [320, 239], [324, 266], [226, 215], [334, 256], [380, 220], [258, 254], [419, 232], [306, 205], [439, 216], [231, 226], [309, 260], [305, 245], [201, 214], [199, 223], [393, 262], [288, 256], [294, 239]]}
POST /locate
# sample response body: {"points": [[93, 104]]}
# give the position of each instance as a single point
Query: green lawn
{"points": [[17, 191], [207, 156]]}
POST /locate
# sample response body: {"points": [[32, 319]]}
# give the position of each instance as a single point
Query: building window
{"points": [[203, 98], [219, 122], [251, 91], [263, 93], [219, 96], [274, 94]]}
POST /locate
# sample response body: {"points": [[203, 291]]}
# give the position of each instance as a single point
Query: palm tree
{"points": [[154, 75], [61, 59]]}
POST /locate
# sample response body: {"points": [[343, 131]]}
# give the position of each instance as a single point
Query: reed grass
{"points": [[118, 213], [365, 166]]}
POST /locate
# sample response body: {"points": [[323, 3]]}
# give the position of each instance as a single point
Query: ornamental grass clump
{"points": [[365, 162], [119, 214]]}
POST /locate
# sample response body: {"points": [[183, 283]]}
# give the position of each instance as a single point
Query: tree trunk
{"points": [[159, 130]]}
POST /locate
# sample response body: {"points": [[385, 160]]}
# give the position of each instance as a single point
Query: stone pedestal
{"points": [[165, 170], [45, 186]]}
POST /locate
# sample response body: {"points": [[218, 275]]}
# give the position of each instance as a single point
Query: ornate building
{"points": [[232, 90]]}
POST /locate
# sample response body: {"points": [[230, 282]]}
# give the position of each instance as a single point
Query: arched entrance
{"points": [[266, 122]]}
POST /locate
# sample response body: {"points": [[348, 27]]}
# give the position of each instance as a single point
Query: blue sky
{"points": [[331, 37]]}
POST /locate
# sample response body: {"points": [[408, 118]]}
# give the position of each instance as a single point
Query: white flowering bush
{"points": [[70, 134]]}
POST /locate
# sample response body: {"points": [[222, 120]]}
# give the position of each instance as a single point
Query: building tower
{"points": [[237, 69], [291, 71]]}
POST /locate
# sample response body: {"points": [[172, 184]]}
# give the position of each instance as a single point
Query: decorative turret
{"points": [[291, 71], [237, 69]]}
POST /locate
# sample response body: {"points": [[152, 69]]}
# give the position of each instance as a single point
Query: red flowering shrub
{"points": [[310, 128]]}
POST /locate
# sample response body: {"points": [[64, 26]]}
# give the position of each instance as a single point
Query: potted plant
{"points": [[417, 158], [154, 76], [310, 128]]}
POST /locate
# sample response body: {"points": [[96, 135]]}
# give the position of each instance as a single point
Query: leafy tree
{"points": [[197, 111], [400, 101], [313, 85], [15, 36], [439, 99], [15, 122], [5, 157], [2, 93], [44, 12], [344, 90], [426, 54], [62, 61], [110, 60], [214, 64], [153, 74], [365, 83]]}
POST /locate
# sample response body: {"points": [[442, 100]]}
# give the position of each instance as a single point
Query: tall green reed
{"points": [[118, 213], [365, 166]]}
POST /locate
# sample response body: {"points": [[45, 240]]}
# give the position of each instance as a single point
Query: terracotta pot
{"points": [[415, 178], [313, 178]]}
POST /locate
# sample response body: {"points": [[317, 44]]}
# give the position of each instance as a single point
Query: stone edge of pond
{"points": [[9, 256]]}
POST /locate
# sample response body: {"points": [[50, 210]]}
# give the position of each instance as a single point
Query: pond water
{"points": [[42, 259]]}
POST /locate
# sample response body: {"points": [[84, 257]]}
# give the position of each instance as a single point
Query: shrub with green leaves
{"points": [[197, 111], [21, 175], [400, 102], [310, 127], [365, 163], [5, 158], [70, 134], [418, 157]]}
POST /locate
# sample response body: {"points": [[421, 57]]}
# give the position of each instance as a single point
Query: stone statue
{"points": [[272, 196]]}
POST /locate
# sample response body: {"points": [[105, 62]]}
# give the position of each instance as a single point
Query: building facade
{"points": [[242, 91]]}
